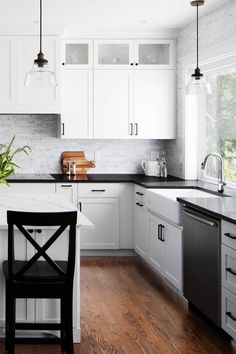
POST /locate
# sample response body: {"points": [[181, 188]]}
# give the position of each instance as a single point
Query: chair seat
{"points": [[41, 271]]}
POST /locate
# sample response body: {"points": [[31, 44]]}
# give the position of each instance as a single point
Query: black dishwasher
{"points": [[201, 263]]}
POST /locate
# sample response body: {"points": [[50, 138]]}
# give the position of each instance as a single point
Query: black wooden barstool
{"points": [[35, 278]]}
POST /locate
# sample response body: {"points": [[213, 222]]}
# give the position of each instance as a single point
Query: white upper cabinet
{"points": [[19, 54], [137, 54], [77, 54], [154, 54], [110, 54], [154, 104], [112, 104], [76, 104]]}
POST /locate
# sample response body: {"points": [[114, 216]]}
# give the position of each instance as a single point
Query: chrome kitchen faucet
{"points": [[221, 182]]}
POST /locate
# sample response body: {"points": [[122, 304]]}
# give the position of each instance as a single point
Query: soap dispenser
{"points": [[163, 166]]}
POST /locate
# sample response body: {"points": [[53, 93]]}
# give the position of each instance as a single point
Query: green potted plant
{"points": [[7, 165]]}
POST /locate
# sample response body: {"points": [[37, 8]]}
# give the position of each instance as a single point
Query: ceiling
{"points": [[104, 13]]}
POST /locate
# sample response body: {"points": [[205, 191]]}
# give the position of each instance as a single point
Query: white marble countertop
{"points": [[38, 202]]}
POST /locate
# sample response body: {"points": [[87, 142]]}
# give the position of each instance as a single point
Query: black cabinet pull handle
{"points": [[230, 236], [136, 128], [230, 271], [63, 128], [141, 205], [139, 193], [80, 206], [66, 185], [231, 316], [98, 190], [30, 231], [131, 129], [161, 233]]}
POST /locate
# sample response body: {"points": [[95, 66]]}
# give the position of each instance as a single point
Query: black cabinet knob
{"points": [[63, 63], [136, 63], [131, 63]]}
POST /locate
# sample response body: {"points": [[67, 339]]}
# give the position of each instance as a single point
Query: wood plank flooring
{"points": [[126, 309]]}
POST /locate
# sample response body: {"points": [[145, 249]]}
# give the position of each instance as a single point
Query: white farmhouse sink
{"points": [[164, 203]]}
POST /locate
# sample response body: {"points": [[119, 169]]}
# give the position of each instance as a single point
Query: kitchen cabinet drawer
{"points": [[98, 190], [228, 234], [229, 312], [229, 268], [140, 193]]}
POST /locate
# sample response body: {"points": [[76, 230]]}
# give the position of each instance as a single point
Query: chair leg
{"points": [[6, 318], [11, 312], [69, 324], [63, 316]]}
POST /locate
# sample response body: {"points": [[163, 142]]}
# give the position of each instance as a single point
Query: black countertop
{"points": [[222, 208]]}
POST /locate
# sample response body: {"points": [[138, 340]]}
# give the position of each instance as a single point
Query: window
{"points": [[219, 120]]}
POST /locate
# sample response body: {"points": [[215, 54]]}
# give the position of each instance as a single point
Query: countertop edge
{"points": [[206, 211]]}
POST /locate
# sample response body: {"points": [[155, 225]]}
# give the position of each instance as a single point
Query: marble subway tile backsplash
{"points": [[40, 133]]}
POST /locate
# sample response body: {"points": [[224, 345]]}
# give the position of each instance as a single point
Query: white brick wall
{"points": [[40, 133], [215, 28]]}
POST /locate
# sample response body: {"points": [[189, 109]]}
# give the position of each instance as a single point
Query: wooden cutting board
{"points": [[82, 164]]}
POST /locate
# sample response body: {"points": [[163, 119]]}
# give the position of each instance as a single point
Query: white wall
{"points": [[215, 29], [40, 133]]}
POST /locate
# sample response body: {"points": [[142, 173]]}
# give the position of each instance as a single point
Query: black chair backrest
{"points": [[63, 220]]}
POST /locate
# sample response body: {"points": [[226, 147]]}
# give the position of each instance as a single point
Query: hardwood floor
{"points": [[125, 309]]}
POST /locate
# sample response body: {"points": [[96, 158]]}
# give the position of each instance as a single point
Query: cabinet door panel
{"points": [[77, 54], [76, 104], [173, 255], [156, 255], [104, 214], [109, 54], [154, 110], [112, 109], [25, 50], [154, 54], [141, 236]]}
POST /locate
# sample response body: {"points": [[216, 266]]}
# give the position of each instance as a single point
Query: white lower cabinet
{"points": [[156, 249], [158, 241], [141, 241], [164, 251], [104, 214], [229, 312], [228, 276]]}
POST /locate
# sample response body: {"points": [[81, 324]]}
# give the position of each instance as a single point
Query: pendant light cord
{"points": [[197, 35], [40, 23]]}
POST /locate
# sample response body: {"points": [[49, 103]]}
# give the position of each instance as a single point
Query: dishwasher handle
{"points": [[198, 218]]}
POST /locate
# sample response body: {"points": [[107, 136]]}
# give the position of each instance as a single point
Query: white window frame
{"points": [[208, 67]]}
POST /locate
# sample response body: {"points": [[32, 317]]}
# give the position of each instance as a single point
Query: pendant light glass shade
{"points": [[198, 85], [40, 75]]}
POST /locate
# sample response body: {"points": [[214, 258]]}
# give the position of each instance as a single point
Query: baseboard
{"points": [[108, 253]]}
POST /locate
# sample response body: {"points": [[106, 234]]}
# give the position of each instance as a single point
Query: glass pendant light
{"points": [[40, 75], [198, 85]]}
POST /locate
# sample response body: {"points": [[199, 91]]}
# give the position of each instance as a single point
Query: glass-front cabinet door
{"points": [[110, 54], [154, 54], [77, 54]]}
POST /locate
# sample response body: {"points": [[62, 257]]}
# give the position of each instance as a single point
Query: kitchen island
{"points": [[40, 310]]}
